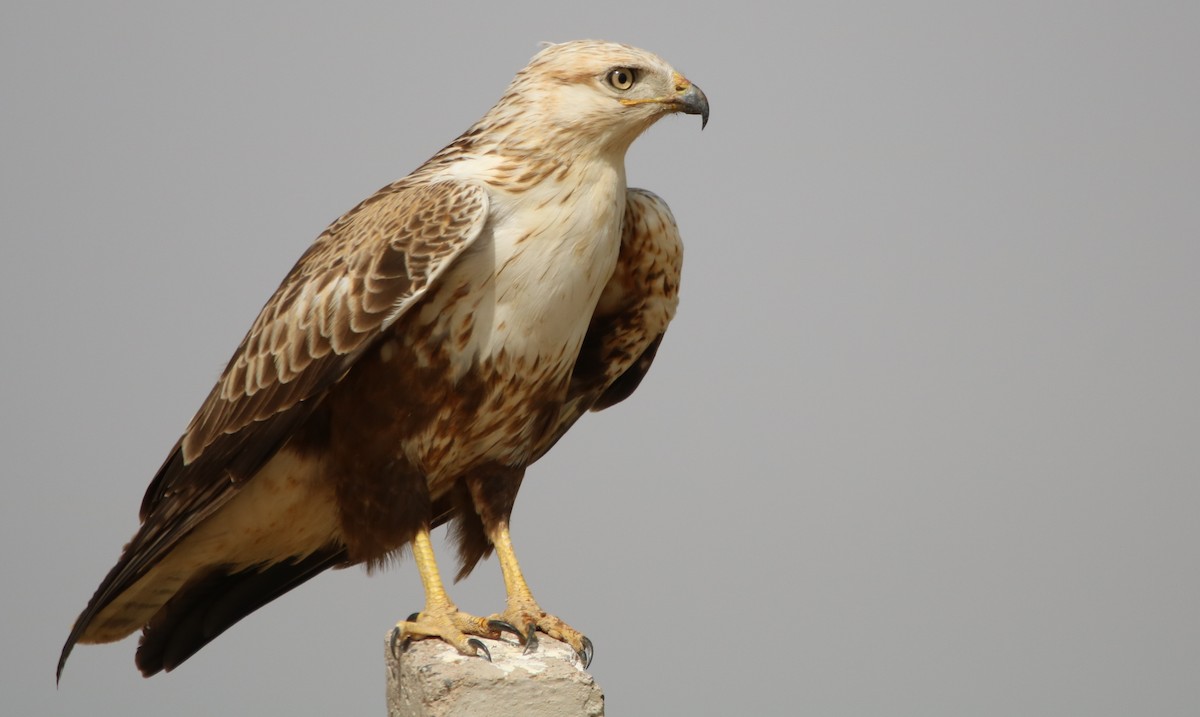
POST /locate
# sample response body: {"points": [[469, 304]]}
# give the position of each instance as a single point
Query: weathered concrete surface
{"points": [[431, 679]]}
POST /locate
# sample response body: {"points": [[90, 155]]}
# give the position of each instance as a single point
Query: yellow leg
{"points": [[431, 578], [523, 611], [515, 586], [441, 618]]}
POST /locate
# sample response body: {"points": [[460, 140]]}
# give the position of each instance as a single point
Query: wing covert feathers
{"points": [[357, 278], [632, 315], [638, 303]]}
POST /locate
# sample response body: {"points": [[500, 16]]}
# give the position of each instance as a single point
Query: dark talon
{"points": [[585, 655], [407, 638], [403, 645], [505, 626], [392, 642], [479, 646], [531, 641]]}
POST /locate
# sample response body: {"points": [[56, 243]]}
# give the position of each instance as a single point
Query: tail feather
{"points": [[178, 614], [111, 615], [211, 605]]}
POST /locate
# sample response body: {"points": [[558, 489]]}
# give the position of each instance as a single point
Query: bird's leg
{"points": [[441, 618], [522, 610]]}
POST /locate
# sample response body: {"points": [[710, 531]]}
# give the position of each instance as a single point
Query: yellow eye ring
{"points": [[622, 78]]}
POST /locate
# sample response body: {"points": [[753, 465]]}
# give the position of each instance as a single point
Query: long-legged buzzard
{"points": [[426, 349]]}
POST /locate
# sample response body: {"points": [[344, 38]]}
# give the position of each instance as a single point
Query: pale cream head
{"points": [[598, 93]]}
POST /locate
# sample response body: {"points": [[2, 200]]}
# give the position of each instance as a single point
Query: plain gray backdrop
{"points": [[923, 439]]}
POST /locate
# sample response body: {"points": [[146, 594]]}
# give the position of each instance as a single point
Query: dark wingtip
{"points": [[76, 633], [62, 662]]}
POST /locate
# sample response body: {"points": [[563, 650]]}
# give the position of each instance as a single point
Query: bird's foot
{"points": [[451, 626], [529, 620]]}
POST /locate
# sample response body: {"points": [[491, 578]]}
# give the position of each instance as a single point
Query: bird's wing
{"points": [[366, 270], [361, 274], [632, 315]]}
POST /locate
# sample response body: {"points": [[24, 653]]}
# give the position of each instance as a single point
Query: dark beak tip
{"points": [[697, 104]]}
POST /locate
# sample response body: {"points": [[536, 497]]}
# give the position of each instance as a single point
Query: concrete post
{"points": [[431, 679]]}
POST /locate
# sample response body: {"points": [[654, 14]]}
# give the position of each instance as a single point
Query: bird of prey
{"points": [[427, 348]]}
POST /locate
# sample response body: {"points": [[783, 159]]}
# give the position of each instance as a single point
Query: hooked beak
{"points": [[691, 100], [687, 99]]}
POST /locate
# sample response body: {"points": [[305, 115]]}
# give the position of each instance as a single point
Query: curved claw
{"points": [[506, 626], [586, 654], [392, 642], [480, 647], [396, 636], [531, 640]]}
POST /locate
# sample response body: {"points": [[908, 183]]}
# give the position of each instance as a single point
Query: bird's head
{"points": [[601, 93]]}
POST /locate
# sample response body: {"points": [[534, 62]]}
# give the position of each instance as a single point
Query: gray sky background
{"points": [[923, 439]]}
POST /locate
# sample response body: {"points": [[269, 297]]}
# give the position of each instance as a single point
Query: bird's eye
{"points": [[622, 78]]}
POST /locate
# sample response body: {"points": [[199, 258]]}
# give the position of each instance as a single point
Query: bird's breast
{"points": [[506, 323], [528, 287]]}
